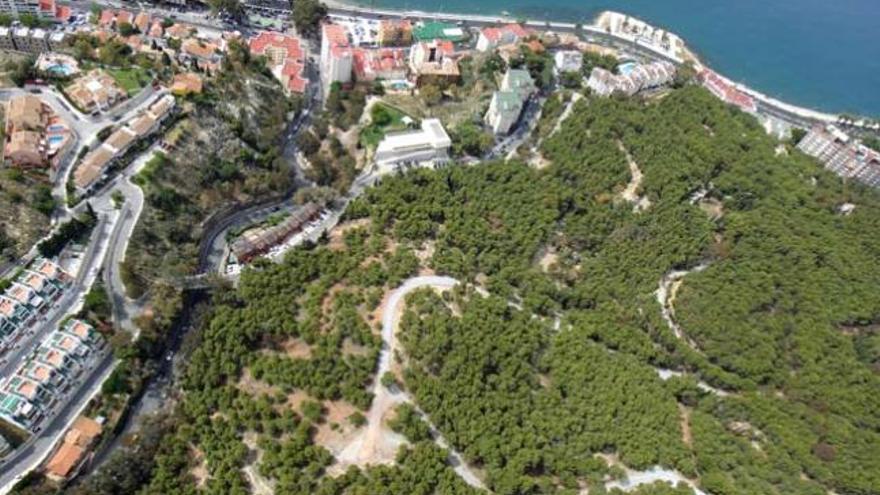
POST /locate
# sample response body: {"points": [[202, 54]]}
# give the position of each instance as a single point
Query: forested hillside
{"points": [[555, 365]]}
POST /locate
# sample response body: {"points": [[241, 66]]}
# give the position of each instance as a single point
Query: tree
{"points": [[431, 94], [308, 143], [470, 139], [233, 8], [6, 19], [307, 16], [126, 29]]}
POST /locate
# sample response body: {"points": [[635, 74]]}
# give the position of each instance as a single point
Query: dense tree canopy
{"points": [[551, 368]]}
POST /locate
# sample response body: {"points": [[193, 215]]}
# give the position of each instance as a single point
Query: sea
{"points": [[818, 54]]}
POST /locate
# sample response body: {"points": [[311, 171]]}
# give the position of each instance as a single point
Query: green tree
{"points": [[307, 16]]}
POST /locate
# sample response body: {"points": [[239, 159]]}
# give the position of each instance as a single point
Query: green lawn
{"points": [[391, 120], [131, 79]]}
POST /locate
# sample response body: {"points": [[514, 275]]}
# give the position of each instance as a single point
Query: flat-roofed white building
{"points": [[567, 61], [429, 145]]}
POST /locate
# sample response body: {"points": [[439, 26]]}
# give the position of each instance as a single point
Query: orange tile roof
{"points": [[7, 307], [187, 82], [142, 21], [65, 460], [87, 428], [80, 329]]}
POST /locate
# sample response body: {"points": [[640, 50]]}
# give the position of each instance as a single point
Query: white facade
{"points": [[568, 61], [504, 110], [645, 76], [430, 144], [336, 55]]}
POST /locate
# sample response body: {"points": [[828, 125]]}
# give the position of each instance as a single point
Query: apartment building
{"points": [[640, 78], [726, 91], [26, 120], [285, 57], [567, 61], [843, 155], [37, 287], [336, 55], [53, 370]]}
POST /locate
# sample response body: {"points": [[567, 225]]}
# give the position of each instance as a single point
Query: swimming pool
{"points": [[626, 67], [60, 69], [56, 128], [54, 140]]}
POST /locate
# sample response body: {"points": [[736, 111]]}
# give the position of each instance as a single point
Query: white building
{"points": [[503, 111], [336, 55], [645, 76], [568, 61], [429, 145]]}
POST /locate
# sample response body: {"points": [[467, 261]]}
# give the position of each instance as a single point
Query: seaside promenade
{"points": [[792, 114]]}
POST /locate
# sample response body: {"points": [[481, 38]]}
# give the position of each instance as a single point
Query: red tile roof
{"points": [[267, 39], [285, 57], [63, 13], [335, 34], [107, 17]]}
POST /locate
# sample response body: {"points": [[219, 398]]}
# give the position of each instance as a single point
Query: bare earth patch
{"points": [[247, 383], [631, 192], [200, 471], [337, 234], [297, 348], [548, 260]]}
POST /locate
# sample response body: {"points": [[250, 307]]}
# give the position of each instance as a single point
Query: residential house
{"points": [[726, 91], [504, 111], [493, 37], [95, 91], [186, 83], [383, 63], [433, 61], [27, 118], [520, 82], [567, 61], [74, 451]]}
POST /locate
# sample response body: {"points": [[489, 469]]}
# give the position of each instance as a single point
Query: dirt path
{"points": [[666, 292], [630, 194], [377, 444], [565, 113]]}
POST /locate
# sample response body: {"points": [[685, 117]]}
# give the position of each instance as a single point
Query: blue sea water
{"points": [[822, 54]]}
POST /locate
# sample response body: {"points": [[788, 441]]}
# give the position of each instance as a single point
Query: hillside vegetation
{"points": [[548, 378]]}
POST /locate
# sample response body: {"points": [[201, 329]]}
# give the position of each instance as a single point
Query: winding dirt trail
{"points": [[377, 444], [630, 194], [666, 292]]}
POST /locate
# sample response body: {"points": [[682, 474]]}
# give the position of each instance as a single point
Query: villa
{"points": [[57, 64], [504, 110], [433, 61], [74, 451], [34, 134], [96, 90]]}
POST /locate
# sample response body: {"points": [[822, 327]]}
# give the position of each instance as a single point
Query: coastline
{"points": [[686, 53]]}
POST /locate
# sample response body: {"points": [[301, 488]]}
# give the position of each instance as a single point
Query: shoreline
{"points": [[687, 53]]}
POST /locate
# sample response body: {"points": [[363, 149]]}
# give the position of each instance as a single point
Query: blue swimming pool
{"points": [[55, 139]]}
